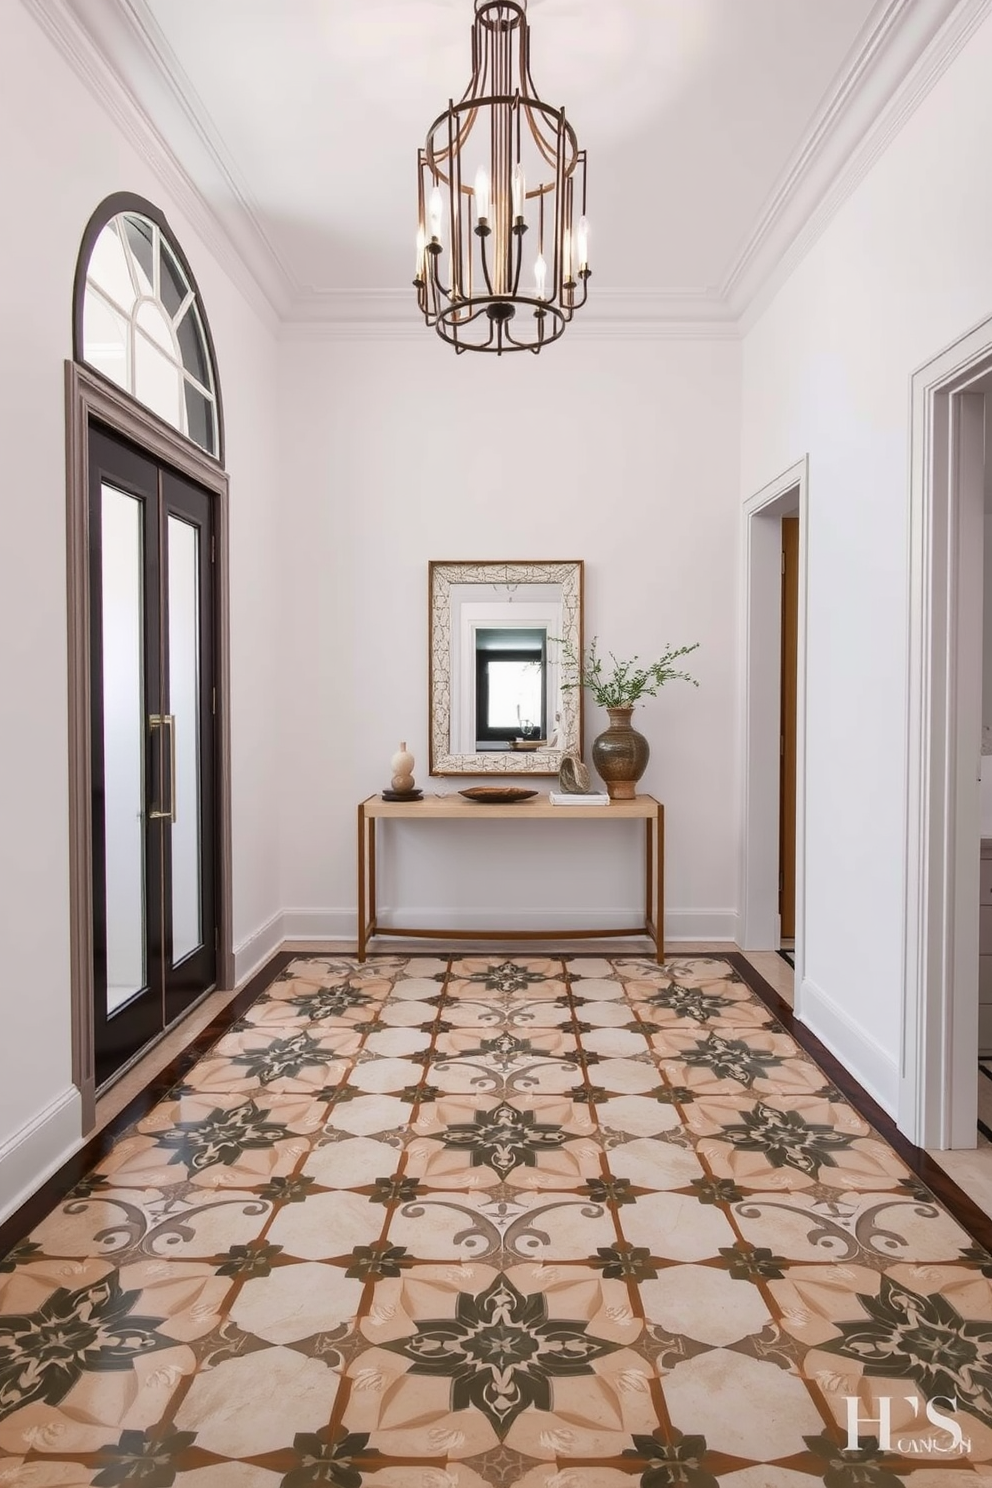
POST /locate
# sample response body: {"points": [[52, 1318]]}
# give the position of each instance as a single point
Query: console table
{"points": [[455, 808]]}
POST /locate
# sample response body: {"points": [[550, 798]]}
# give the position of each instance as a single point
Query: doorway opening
{"points": [[149, 743], [772, 832], [149, 812], [949, 489]]}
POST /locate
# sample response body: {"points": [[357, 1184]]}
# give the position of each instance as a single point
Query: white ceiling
{"points": [[713, 127]]}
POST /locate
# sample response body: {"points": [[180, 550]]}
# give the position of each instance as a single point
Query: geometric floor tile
{"points": [[477, 1222]]}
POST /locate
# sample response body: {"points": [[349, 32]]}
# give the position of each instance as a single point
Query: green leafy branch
{"points": [[626, 682]]}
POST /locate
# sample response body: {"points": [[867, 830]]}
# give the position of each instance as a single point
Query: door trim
{"points": [[789, 760], [761, 722], [91, 397], [937, 1046]]}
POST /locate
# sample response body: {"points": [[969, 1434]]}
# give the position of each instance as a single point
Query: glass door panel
{"points": [[152, 748], [124, 717], [125, 753], [183, 541], [189, 856]]}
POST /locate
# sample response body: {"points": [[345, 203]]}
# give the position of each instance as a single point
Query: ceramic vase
{"points": [[621, 755], [401, 765]]}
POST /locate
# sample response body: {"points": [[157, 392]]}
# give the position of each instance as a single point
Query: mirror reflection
{"points": [[511, 696], [496, 700]]}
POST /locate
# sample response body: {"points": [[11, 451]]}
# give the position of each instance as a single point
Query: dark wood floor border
{"points": [[54, 1189], [940, 1183]]}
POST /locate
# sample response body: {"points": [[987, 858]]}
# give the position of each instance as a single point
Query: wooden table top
{"points": [[453, 807]]}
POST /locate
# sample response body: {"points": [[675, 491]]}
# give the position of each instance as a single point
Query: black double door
{"points": [[153, 747]]}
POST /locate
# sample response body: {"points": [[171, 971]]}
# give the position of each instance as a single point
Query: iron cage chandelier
{"points": [[475, 283]]}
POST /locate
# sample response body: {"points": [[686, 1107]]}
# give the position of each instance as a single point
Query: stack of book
{"points": [[567, 798]]}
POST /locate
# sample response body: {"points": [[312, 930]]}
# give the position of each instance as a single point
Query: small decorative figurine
{"points": [[402, 786], [573, 776], [402, 765]]}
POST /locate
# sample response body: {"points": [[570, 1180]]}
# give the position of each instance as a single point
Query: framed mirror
{"points": [[497, 706]]}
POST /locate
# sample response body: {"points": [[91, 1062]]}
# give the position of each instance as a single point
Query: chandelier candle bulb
{"points": [[540, 276], [583, 245], [519, 192], [436, 211], [482, 194]]}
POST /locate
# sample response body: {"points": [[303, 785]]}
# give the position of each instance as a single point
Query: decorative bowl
{"points": [[497, 795]]}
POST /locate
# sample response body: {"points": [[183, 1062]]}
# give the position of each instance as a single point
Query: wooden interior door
{"points": [[787, 767]]}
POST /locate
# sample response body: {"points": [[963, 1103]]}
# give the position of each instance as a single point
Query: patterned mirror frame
{"points": [[442, 577]]}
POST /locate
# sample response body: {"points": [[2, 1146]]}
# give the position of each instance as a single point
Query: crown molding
{"points": [[626, 313], [887, 47], [903, 49], [145, 52], [932, 62], [411, 328], [74, 40]]}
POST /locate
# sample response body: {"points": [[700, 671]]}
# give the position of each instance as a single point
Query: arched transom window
{"points": [[143, 326]]}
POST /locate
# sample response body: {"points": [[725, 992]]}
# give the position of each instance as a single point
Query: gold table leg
{"points": [[361, 882], [372, 872], [659, 911]]}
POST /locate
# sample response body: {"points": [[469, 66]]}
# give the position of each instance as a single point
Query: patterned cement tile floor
{"points": [[531, 1223]]}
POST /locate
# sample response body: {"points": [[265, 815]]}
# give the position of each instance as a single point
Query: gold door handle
{"points": [[166, 720]]}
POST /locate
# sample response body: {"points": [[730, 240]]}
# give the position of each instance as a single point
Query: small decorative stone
{"points": [[573, 776]]}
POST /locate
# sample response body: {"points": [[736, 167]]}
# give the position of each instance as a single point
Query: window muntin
{"points": [[143, 329]]}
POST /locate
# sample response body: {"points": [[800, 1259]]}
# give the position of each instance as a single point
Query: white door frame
{"points": [[761, 668], [938, 1078]]}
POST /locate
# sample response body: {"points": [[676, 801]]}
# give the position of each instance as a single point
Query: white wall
{"points": [[622, 453], [987, 644], [903, 269], [987, 589], [59, 157]]}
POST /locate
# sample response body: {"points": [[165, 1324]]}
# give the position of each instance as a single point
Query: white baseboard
{"points": [[33, 1154], [319, 924], [253, 953], [858, 1052], [701, 924], [680, 924], [341, 924], [493, 920]]}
